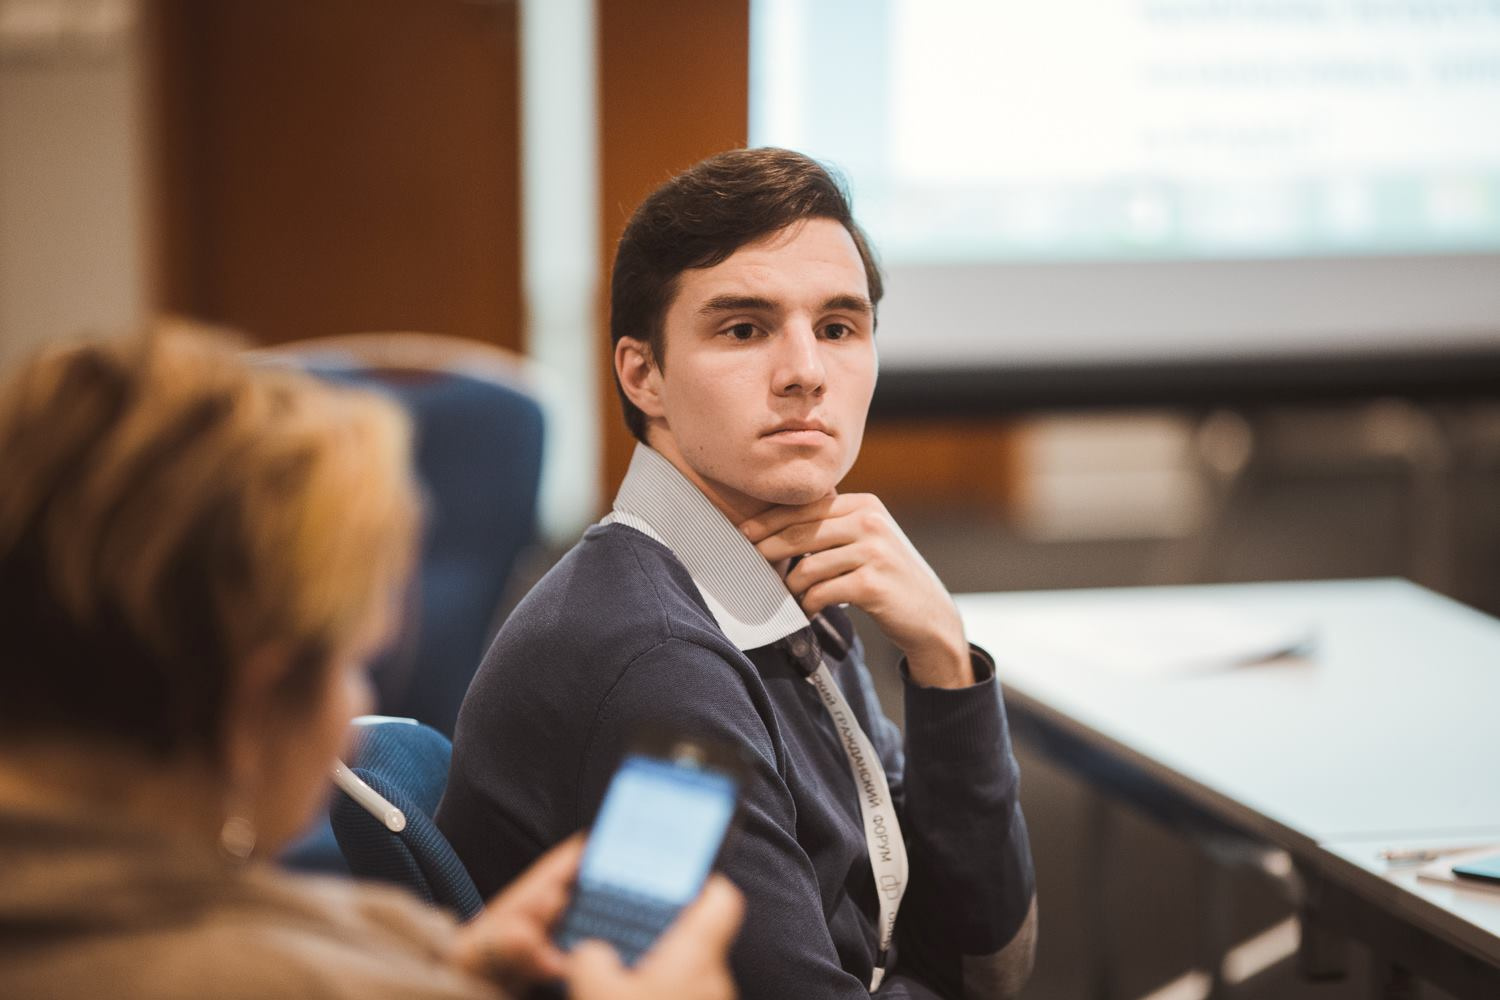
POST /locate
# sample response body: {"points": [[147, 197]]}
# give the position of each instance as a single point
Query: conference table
{"points": [[1325, 722]]}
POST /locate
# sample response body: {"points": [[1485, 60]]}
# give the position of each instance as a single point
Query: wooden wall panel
{"points": [[339, 165], [673, 89], [938, 464]]}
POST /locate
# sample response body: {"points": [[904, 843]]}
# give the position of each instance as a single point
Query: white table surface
{"points": [[1465, 913], [1384, 731]]}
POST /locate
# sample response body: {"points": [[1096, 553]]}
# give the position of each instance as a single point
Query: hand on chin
{"points": [[853, 552]]}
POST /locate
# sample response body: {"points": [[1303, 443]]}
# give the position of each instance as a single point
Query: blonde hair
{"points": [[168, 509]]}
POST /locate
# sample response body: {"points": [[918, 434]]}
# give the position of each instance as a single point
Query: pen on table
{"points": [[1413, 855]]}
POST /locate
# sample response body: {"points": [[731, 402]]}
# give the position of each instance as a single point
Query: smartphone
{"points": [[665, 818], [1484, 869]]}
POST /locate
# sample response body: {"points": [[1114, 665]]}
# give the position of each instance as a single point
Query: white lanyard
{"points": [[882, 828]]}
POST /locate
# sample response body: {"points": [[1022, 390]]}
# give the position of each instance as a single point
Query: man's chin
{"points": [[780, 483], [795, 496], [793, 488]]}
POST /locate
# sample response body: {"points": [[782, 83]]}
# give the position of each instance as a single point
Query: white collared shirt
{"points": [[746, 595]]}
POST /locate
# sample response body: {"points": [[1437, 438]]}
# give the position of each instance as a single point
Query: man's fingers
{"points": [[809, 536], [820, 566], [705, 928], [779, 518], [846, 589]]}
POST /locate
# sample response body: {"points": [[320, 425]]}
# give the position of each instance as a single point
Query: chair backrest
{"points": [[479, 455], [407, 764]]}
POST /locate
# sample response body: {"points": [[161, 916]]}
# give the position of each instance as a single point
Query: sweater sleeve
{"points": [[785, 948], [967, 923]]}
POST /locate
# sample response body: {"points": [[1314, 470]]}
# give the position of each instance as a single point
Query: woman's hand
{"points": [[510, 941], [688, 962]]}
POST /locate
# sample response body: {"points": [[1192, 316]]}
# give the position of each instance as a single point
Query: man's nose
{"points": [[799, 362]]}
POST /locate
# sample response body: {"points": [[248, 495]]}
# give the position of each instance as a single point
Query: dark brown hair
{"points": [[702, 216]]}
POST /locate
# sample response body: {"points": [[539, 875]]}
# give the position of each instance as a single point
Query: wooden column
{"points": [[673, 89], [338, 166]]}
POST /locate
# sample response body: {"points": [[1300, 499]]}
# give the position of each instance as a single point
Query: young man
{"points": [[743, 321]]}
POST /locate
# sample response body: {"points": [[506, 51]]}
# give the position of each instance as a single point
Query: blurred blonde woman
{"points": [[197, 559]]}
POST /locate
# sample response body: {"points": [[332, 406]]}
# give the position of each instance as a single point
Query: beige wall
{"points": [[71, 243]]}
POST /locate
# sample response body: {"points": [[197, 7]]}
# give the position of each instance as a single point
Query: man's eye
{"points": [[837, 331], [742, 331]]}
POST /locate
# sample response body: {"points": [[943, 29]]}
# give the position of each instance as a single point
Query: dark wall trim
{"points": [[990, 392]]}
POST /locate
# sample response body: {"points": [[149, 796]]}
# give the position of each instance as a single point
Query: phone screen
{"points": [[1484, 869], [651, 848]]}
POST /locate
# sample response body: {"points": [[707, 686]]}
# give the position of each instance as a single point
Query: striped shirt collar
{"points": [[746, 595]]}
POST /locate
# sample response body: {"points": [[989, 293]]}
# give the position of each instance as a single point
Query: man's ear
{"points": [[639, 375]]}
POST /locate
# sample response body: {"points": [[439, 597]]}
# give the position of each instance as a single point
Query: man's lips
{"points": [[799, 430]]}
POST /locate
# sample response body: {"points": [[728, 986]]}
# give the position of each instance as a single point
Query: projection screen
{"points": [[1102, 201]]}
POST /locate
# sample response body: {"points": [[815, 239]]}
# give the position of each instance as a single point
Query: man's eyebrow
{"points": [[737, 303], [849, 303], [755, 303]]}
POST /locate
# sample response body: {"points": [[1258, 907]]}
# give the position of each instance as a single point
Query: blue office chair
{"points": [[479, 457], [382, 813], [478, 450]]}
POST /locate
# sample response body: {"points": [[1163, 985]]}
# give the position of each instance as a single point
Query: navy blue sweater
{"points": [[616, 636]]}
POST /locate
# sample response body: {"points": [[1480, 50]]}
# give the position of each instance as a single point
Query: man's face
{"points": [[769, 369]]}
